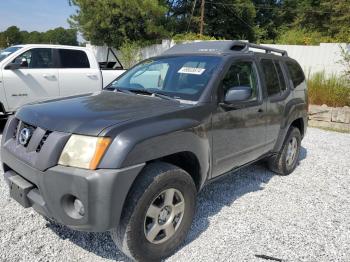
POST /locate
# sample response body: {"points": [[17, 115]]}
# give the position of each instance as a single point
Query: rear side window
{"points": [[296, 73], [73, 59], [281, 78], [271, 77]]}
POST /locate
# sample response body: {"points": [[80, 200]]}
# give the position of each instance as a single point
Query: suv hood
{"points": [[90, 114]]}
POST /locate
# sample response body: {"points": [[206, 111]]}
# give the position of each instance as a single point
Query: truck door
{"points": [[76, 74], [35, 80], [239, 131]]}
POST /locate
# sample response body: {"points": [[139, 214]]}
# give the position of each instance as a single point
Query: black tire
{"points": [[279, 163], [130, 236]]}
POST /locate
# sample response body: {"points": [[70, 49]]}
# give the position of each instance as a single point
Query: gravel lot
{"points": [[302, 217]]}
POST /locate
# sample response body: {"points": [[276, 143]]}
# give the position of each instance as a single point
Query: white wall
{"points": [[324, 57]]}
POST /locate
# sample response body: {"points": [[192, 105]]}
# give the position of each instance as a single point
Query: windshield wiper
{"points": [[121, 90], [146, 92]]}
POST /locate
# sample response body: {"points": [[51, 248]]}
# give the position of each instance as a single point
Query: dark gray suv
{"points": [[132, 158]]}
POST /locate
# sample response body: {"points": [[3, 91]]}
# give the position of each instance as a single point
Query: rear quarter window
{"points": [[271, 77], [73, 59], [296, 73]]}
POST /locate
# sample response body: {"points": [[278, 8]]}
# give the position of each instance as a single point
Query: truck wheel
{"points": [[286, 160], [157, 214]]}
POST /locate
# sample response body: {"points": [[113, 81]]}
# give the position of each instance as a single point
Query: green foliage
{"points": [[130, 54], [345, 62], [300, 37], [227, 19], [191, 37], [333, 90], [113, 22], [59, 35], [12, 35]]}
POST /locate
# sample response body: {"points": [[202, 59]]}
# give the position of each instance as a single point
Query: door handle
{"points": [[48, 76], [91, 75]]}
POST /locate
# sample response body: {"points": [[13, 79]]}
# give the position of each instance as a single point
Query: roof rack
{"points": [[268, 50], [220, 47]]}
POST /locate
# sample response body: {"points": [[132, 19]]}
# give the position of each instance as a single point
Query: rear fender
{"points": [[295, 109]]}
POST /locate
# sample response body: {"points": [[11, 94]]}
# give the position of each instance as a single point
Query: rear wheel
{"points": [[287, 159], [157, 214]]}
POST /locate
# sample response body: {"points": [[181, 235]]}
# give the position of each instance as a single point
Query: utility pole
{"points": [[202, 18]]}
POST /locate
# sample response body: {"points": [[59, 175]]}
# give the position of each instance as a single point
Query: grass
{"points": [[331, 90]]}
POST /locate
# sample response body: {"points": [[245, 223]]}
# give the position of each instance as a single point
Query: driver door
{"points": [[36, 78], [239, 128]]}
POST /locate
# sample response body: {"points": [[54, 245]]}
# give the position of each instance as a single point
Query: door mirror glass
{"points": [[238, 94]]}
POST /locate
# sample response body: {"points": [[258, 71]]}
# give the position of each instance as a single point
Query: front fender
{"points": [[151, 141]]}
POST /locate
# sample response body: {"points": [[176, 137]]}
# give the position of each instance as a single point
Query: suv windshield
{"points": [[180, 77], [8, 51]]}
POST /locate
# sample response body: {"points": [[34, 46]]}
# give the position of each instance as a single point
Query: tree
{"points": [[60, 36], [113, 22], [227, 19], [3, 42], [13, 35]]}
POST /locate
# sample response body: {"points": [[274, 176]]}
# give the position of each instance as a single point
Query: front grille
{"points": [[21, 126], [42, 141], [40, 138], [41, 151]]}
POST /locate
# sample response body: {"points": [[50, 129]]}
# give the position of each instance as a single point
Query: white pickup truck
{"points": [[30, 73]]}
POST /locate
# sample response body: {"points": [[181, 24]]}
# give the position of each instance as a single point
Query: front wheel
{"points": [[287, 159], [157, 214]]}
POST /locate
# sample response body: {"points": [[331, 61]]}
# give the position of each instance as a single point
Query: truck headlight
{"points": [[84, 151]]}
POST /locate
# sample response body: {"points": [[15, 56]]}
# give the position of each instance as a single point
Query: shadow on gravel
{"points": [[215, 196]]}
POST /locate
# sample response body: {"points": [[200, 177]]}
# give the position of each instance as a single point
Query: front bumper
{"points": [[102, 191]]}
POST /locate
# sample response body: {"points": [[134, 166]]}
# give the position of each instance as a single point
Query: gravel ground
{"points": [[302, 217]]}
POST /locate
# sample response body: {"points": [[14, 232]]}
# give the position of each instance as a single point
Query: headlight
{"points": [[84, 151]]}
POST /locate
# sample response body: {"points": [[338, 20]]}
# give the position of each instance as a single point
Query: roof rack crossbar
{"points": [[268, 50]]}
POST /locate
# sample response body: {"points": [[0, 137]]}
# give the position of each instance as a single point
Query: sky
{"points": [[34, 15]]}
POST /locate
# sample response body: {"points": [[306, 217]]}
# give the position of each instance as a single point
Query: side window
{"points": [[36, 58], [271, 77], [73, 59], [242, 73], [296, 73], [281, 78]]}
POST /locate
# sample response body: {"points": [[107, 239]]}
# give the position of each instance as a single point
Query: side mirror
{"points": [[17, 64], [13, 66], [238, 94]]}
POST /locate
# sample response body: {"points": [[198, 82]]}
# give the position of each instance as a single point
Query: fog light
{"points": [[73, 206], [79, 207]]}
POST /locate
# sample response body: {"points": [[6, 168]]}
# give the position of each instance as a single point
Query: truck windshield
{"points": [[179, 77], [8, 51]]}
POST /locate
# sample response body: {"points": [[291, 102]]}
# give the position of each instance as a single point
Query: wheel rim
{"points": [[164, 216], [292, 150]]}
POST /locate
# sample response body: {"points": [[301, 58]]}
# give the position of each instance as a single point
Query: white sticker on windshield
{"points": [[191, 70]]}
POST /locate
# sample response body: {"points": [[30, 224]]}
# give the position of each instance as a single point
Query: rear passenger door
{"points": [[76, 75], [277, 92]]}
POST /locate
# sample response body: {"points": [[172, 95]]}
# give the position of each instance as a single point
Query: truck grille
{"points": [[24, 138], [38, 147], [42, 141]]}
